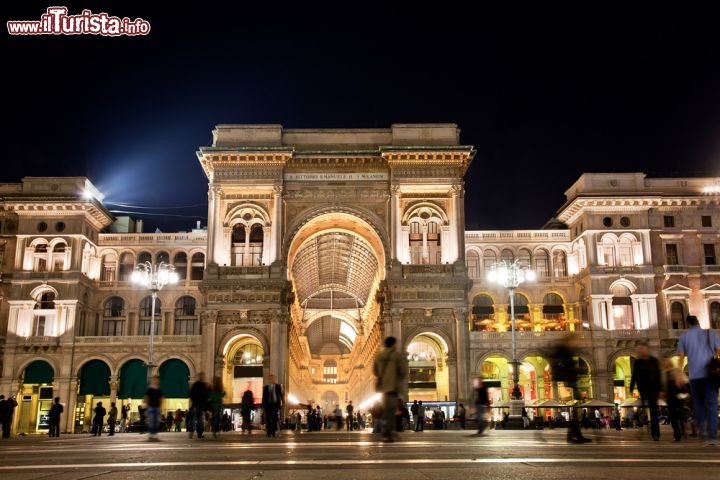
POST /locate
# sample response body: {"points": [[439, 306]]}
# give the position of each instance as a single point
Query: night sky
{"points": [[543, 93]]}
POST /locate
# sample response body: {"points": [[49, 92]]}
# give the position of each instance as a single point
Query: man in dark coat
{"points": [[98, 419], [647, 377], [272, 401], [54, 417], [199, 400]]}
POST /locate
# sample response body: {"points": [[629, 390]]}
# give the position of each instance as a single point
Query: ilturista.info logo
{"points": [[56, 21]]}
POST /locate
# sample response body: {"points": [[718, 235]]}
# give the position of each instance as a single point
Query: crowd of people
{"points": [[690, 400]]}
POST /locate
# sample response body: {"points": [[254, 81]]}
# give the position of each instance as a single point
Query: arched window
{"points": [[180, 262], [433, 243], [489, 261], [416, 243], [542, 264], [553, 312], [677, 316], [113, 317], [185, 317], [109, 267], [622, 310], [256, 233], [472, 262], [607, 250], [144, 257], [47, 301], [59, 256], [525, 258], [238, 233], [483, 314], [127, 265], [715, 315], [146, 316], [330, 371], [560, 264], [247, 244], [197, 266], [40, 258], [162, 257], [507, 255]]}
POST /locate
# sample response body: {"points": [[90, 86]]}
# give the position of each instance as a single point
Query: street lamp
{"points": [[510, 274], [153, 279]]}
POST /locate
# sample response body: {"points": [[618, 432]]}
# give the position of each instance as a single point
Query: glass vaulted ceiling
{"points": [[333, 271]]}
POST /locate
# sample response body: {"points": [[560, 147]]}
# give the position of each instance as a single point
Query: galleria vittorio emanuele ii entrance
{"points": [[323, 242]]}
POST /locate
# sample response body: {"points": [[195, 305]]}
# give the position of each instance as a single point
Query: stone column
{"points": [[208, 321], [219, 253], [267, 253], [211, 224], [462, 348], [68, 420], [452, 367], [276, 242], [395, 221]]}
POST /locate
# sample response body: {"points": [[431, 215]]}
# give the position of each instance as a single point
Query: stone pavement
{"points": [[433, 455]]}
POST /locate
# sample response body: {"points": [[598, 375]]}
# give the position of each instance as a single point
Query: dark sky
{"points": [[543, 93]]}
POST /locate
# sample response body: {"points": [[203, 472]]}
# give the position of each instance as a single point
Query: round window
{"points": [[625, 221], [41, 226], [60, 226], [607, 221]]}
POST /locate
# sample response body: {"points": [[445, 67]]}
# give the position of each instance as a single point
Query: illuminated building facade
{"points": [[321, 242]]}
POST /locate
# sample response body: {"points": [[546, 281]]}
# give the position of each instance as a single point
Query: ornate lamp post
{"points": [[153, 279], [510, 275]]}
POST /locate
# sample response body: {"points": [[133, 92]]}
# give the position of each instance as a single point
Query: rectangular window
{"points": [[709, 250], [706, 221], [113, 328], [671, 254], [185, 327], [669, 221], [144, 327], [108, 274], [39, 327]]}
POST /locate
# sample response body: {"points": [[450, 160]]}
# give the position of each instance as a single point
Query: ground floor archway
{"points": [[93, 387], [35, 398], [428, 378]]}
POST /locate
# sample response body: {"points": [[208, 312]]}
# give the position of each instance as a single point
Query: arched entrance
{"points": [[244, 368], [132, 388], [336, 261], [427, 360], [94, 386], [495, 372], [175, 384], [35, 397]]}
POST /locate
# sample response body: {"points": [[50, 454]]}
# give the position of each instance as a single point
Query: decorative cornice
{"points": [[571, 211]]}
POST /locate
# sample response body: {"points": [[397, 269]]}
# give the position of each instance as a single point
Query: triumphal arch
{"points": [[321, 242]]}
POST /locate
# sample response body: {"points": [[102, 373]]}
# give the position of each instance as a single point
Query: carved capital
{"points": [[208, 317]]}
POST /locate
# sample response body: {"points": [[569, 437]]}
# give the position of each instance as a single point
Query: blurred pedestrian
{"points": [[390, 369], [112, 419], [673, 397], [7, 409], [349, 409], [564, 369], [199, 397], [247, 404], [124, 411], [700, 347], [461, 415], [648, 379], [153, 400], [482, 404], [216, 398], [54, 417]]}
